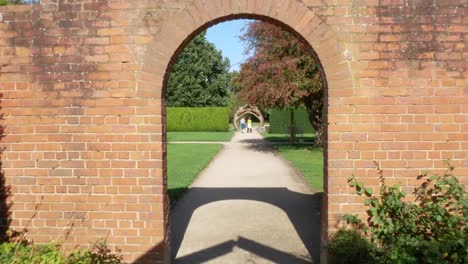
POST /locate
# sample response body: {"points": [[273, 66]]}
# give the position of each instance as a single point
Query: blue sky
{"points": [[226, 38]]}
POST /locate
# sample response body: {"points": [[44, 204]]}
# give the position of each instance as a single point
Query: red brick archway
{"points": [[83, 102], [306, 25]]}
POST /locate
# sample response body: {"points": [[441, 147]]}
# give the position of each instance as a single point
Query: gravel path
{"points": [[247, 206]]}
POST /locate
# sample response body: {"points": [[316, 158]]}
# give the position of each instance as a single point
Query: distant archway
{"points": [[248, 109]]}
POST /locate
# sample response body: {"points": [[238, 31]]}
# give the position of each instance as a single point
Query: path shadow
{"points": [[251, 246], [258, 145], [285, 139], [153, 255], [305, 222], [261, 145], [5, 191], [176, 193]]}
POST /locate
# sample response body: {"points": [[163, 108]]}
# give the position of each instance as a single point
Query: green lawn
{"points": [[307, 159], [185, 162], [200, 136], [307, 137]]}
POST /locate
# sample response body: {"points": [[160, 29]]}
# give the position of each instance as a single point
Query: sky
{"points": [[226, 38]]}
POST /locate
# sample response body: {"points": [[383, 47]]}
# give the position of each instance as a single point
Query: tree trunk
{"points": [[318, 141], [314, 109], [292, 129]]}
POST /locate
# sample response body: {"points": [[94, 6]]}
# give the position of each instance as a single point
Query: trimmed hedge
{"points": [[279, 121], [214, 119]]}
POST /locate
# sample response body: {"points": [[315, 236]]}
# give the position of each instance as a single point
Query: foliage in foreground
{"points": [[350, 247], [22, 252], [432, 229]]}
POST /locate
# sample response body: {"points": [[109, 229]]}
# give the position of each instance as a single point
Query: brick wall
{"points": [[83, 104]]}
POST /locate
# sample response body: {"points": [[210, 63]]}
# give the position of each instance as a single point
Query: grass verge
{"points": [[184, 163], [308, 137], [200, 136], [307, 159]]}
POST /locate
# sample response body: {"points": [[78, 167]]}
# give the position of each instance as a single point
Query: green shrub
{"points": [[430, 230], [215, 119], [21, 252], [280, 119], [348, 246], [99, 254]]}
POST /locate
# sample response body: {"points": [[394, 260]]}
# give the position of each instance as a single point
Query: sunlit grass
{"points": [[184, 163], [307, 159], [200, 136]]}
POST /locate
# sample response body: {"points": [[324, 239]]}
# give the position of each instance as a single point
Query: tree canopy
{"points": [[281, 73], [200, 77]]}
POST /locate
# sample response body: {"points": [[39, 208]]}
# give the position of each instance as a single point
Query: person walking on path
{"points": [[249, 125], [242, 123]]}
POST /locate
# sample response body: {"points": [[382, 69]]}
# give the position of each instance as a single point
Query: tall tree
{"points": [[281, 73], [200, 77]]}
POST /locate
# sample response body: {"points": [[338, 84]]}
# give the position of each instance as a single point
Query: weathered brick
{"points": [[83, 118]]}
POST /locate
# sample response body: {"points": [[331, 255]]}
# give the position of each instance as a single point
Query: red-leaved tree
{"points": [[281, 73]]}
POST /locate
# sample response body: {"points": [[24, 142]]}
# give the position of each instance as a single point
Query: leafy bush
{"points": [[22, 252], [348, 246], [431, 229], [215, 119], [99, 254]]}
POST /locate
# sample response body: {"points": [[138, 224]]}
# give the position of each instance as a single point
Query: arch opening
{"points": [[243, 110], [247, 109], [318, 34]]}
